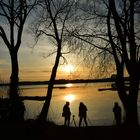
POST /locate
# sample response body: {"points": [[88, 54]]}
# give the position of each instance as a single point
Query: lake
{"points": [[99, 103]]}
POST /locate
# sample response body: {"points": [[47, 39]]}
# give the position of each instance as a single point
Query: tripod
{"points": [[73, 120]]}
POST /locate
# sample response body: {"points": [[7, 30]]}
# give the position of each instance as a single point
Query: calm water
{"points": [[99, 103]]}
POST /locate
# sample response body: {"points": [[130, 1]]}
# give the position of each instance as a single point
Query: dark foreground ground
{"points": [[36, 131]]}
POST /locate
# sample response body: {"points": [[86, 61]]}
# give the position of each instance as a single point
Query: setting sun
{"points": [[69, 68], [69, 97]]}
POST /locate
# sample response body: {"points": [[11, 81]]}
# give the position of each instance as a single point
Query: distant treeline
{"points": [[63, 81]]}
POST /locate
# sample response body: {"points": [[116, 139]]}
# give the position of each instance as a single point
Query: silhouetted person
{"points": [[117, 113], [66, 114], [82, 113]]}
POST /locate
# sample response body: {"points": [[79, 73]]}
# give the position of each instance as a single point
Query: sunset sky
{"points": [[34, 67]]}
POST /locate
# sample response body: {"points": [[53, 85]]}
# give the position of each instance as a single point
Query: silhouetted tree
{"points": [[54, 16], [114, 31], [125, 51], [13, 14]]}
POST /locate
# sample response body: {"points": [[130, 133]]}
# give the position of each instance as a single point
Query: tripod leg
{"points": [[71, 121], [74, 123]]}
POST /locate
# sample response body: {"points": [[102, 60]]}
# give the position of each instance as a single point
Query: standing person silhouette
{"points": [[66, 114], [82, 113], [117, 113]]}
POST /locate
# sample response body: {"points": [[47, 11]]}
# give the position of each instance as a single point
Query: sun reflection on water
{"points": [[68, 85], [69, 97]]}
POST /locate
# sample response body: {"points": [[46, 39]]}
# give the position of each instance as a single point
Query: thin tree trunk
{"points": [[44, 112]]}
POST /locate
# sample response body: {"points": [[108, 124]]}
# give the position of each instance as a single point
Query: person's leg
{"points": [[80, 120], [69, 121], [65, 121], [85, 119]]}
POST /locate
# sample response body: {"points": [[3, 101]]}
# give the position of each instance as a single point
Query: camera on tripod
{"points": [[73, 120]]}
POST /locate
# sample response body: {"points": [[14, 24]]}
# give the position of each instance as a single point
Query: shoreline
{"points": [[63, 81]]}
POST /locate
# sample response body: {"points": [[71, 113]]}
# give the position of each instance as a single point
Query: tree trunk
{"points": [[17, 108], [131, 113], [131, 106], [13, 93], [44, 112], [128, 97]]}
